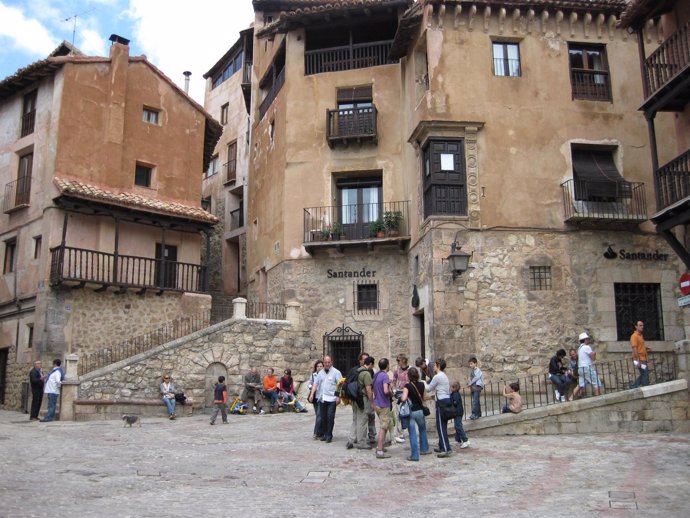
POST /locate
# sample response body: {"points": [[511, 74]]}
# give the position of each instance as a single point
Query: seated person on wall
{"points": [[287, 392], [557, 375], [571, 372], [167, 390], [252, 388], [271, 388], [514, 403]]}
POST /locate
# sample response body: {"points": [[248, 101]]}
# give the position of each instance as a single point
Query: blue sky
{"points": [[175, 35]]}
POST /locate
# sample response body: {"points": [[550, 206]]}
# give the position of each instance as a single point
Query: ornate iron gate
{"points": [[343, 345]]}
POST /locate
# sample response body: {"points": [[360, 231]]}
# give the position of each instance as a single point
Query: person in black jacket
{"points": [[36, 380], [557, 375]]}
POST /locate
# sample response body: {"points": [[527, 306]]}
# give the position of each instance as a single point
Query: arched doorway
{"points": [[343, 345], [212, 372]]}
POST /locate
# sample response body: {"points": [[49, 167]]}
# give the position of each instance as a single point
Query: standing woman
{"points": [[441, 386], [414, 391], [316, 400], [168, 395]]}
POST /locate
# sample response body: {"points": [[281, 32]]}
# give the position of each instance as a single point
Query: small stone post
{"points": [[239, 308], [70, 388], [292, 314], [682, 350]]}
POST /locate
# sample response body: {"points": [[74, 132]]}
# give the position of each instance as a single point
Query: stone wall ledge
{"points": [[501, 424], [106, 409]]}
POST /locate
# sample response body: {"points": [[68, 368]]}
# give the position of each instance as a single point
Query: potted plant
{"points": [[391, 222], [337, 230], [377, 228], [326, 233]]}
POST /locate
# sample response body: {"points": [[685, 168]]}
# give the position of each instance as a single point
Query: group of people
{"points": [[280, 393], [48, 384], [398, 401]]}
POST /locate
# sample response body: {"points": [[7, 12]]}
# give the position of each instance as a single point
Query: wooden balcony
{"points": [[17, 194], [78, 267], [246, 84], [365, 225], [348, 57], [272, 93], [351, 125], [604, 201], [672, 181], [667, 74], [590, 85]]}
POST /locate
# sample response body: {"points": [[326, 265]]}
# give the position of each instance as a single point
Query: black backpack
{"points": [[353, 390]]}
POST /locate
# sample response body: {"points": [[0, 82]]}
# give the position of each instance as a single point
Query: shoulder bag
{"points": [[425, 409]]}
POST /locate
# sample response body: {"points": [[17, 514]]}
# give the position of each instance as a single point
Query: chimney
{"points": [[119, 46], [186, 75]]}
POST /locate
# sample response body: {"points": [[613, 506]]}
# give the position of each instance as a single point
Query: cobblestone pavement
{"points": [[270, 466]]}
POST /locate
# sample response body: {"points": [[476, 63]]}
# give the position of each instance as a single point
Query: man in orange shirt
{"points": [[639, 354], [271, 388]]}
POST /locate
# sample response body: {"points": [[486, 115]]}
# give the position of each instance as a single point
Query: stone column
{"points": [[70, 388], [682, 350], [239, 308], [292, 314]]}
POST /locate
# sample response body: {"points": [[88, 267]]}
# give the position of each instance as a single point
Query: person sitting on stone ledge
{"points": [[287, 392], [271, 388], [557, 375], [252, 388]]}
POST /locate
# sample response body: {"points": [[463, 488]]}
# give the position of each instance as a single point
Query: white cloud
{"points": [[91, 42], [176, 37], [25, 33]]}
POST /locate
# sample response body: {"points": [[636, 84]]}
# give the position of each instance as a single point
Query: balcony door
{"points": [[355, 111], [360, 202], [166, 266]]}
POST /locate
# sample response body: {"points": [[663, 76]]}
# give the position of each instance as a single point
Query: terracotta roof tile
{"points": [[85, 191]]}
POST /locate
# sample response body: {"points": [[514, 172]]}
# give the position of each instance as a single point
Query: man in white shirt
{"points": [[585, 363], [52, 389], [325, 385]]}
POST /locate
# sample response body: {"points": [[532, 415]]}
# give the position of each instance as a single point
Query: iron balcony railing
{"points": [[507, 67], [28, 121], [125, 271], [592, 85], [348, 57], [365, 221], [611, 201], [266, 310], [538, 390], [351, 124], [236, 219], [17, 194], [272, 93], [230, 169], [672, 181], [672, 56]]}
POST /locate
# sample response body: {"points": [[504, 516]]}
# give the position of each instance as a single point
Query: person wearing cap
{"points": [[585, 362], [639, 354]]}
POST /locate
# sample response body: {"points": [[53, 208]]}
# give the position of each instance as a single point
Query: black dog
{"points": [[130, 420]]}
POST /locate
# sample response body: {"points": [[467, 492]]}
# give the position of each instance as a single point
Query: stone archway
{"points": [[210, 379]]}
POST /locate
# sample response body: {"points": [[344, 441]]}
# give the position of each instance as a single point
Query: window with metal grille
{"points": [[540, 277], [366, 297], [638, 301], [29, 113], [506, 59], [589, 72]]}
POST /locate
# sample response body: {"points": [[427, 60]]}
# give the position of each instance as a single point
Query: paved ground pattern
{"points": [[270, 466]]}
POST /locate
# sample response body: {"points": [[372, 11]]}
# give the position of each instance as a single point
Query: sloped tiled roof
{"points": [[638, 11], [293, 12], [577, 5], [77, 189]]}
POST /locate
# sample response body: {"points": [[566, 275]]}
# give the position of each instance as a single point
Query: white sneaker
{"points": [[465, 444], [563, 399], [400, 440], [261, 412], [558, 395]]}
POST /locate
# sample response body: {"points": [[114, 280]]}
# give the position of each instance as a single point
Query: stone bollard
{"points": [[292, 314], [682, 350], [239, 308], [70, 388]]}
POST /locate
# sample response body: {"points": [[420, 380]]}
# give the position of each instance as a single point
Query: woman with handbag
{"points": [[441, 386], [412, 410]]}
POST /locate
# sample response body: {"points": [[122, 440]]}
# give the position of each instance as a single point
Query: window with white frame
{"points": [[506, 59], [150, 115]]}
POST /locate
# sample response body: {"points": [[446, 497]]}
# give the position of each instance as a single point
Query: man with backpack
{"points": [[361, 405], [371, 423]]}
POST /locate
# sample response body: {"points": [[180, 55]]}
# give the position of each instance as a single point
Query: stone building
{"points": [[227, 98], [390, 138], [102, 228], [666, 88]]}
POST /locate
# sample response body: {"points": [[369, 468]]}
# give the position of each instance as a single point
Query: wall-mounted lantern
{"points": [[458, 260]]}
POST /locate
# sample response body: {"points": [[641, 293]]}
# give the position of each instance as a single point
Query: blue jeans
{"points": [[273, 395], [288, 398], [417, 423], [317, 422], [52, 405], [460, 435], [170, 403], [327, 411], [643, 379], [476, 405]]}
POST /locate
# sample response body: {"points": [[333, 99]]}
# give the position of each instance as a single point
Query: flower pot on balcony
{"points": [[380, 233]]}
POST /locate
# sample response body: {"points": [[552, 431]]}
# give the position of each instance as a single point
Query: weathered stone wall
{"points": [[16, 374], [237, 345], [656, 408], [81, 321]]}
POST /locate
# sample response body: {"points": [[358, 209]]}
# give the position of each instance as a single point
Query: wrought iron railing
{"points": [[672, 181], [613, 201], [272, 93], [672, 56], [266, 310], [348, 57], [17, 194], [364, 221], [351, 123], [28, 121], [592, 85], [538, 391], [125, 271], [507, 67]]}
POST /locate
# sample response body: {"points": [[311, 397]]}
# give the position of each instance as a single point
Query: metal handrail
{"points": [[623, 201], [17, 194]]}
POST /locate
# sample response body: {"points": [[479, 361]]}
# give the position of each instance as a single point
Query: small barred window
{"points": [[366, 297], [540, 277]]}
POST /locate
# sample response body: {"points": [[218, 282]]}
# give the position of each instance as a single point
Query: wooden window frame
{"points": [[504, 60], [10, 259], [139, 169], [589, 83]]}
